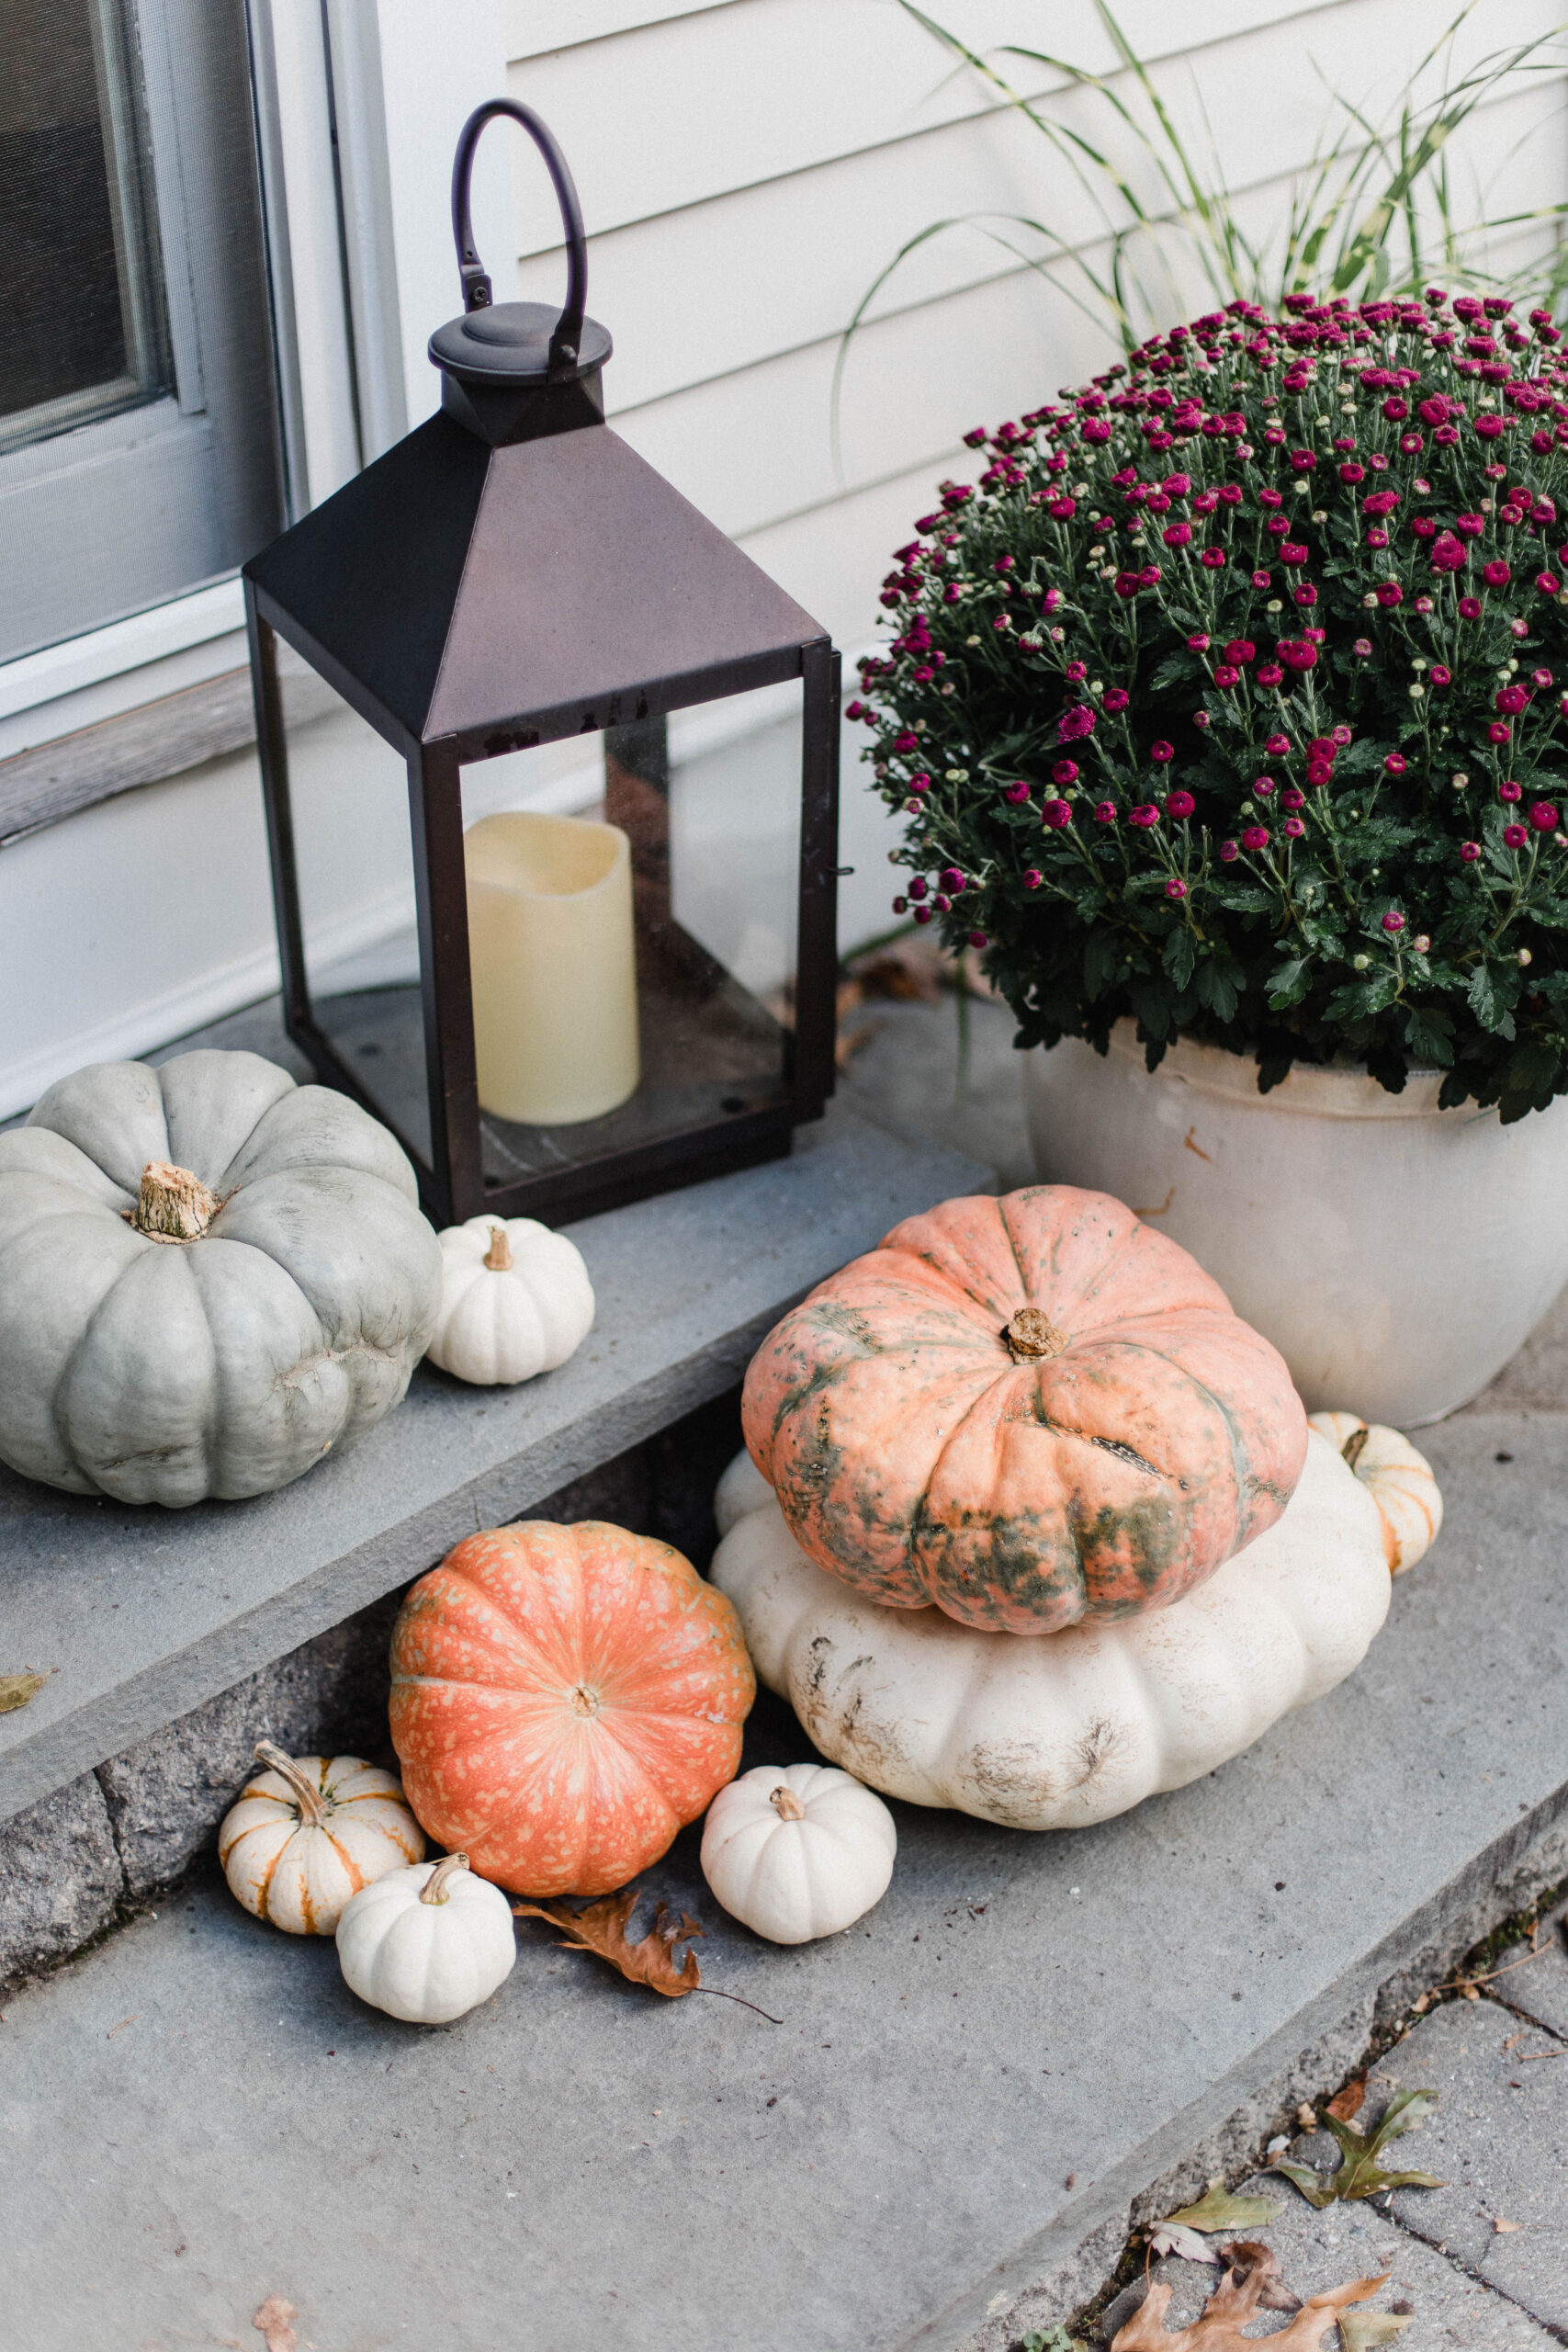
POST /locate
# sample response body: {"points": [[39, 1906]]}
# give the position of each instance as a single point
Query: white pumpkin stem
{"points": [[497, 1257], [173, 1204], [785, 1803], [434, 1887], [313, 1811], [1032, 1334], [1355, 1445]]}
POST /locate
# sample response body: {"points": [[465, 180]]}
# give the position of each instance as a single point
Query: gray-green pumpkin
{"points": [[209, 1278]]}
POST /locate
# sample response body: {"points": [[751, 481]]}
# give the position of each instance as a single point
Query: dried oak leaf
{"points": [[1236, 2302], [1360, 2331], [1359, 2173], [602, 1927], [273, 2324], [1348, 2104], [1171, 2238], [16, 1690], [1218, 2209], [1249, 2259]]}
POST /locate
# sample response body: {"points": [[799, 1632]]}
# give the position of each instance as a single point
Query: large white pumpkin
{"points": [[1053, 1731], [516, 1301], [209, 1277]]}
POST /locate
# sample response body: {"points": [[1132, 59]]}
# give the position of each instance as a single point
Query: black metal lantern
{"points": [[551, 780]]}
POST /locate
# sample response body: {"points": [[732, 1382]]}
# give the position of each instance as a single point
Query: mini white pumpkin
{"points": [[515, 1300], [427, 1944], [1399, 1479], [309, 1832], [1053, 1731], [799, 1852]]}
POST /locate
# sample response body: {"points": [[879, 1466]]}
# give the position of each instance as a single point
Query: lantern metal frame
{"points": [[564, 388]]}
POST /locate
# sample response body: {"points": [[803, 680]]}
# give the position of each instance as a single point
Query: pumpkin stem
{"points": [[434, 1887], [497, 1257], [785, 1803], [173, 1204], [1032, 1334], [1355, 1444], [313, 1811]]}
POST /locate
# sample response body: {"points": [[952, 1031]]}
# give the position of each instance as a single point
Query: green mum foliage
{"points": [[1230, 698]]}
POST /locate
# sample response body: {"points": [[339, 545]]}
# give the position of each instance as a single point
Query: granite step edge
{"points": [[1056, 2271]]}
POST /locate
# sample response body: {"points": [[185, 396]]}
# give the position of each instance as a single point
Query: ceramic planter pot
{"points": [[1394, 1253]]}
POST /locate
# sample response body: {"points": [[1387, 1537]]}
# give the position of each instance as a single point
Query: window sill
{"points": [[161, 739]]}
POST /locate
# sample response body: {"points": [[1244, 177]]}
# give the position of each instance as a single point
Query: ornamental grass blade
{"points": [[1359, 2173], [1218, 2209]]}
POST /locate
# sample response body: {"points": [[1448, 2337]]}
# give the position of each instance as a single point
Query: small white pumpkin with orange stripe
{"points": [[306, 1834], [1399, 1479]]}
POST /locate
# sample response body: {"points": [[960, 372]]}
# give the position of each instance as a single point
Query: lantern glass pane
{"points": [[348, 790], [633, 904]]}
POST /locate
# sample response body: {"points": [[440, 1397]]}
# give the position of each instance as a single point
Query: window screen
{"points": [[138, 416], [82, 317]]}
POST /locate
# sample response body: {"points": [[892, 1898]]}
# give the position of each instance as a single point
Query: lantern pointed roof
{"points": [[514, 595]]}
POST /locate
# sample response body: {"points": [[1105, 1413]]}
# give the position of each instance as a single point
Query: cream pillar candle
{"points": [[554, 967]]}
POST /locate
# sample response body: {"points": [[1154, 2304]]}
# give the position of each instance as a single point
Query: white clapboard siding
{"points": [[746, 169], [762, 88]]}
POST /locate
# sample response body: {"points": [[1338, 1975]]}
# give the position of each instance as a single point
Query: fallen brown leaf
{"points": [[1218, 2209], [600, 1928], [16, 1690], [272, 2322], [1501, 2226], [1346, 2105], [906, 969], [1361, 2331], [1237, 2301], [1249, 2259]]}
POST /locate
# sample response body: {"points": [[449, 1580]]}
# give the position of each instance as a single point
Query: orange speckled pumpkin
{"points": [[1032, 1411], [564, 1699]]}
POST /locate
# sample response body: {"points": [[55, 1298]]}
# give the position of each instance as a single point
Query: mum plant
{"points": [[1229, 697]]}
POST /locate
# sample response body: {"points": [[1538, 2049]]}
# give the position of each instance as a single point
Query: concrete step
{"points": [[967, 2098], [136, 1615]]}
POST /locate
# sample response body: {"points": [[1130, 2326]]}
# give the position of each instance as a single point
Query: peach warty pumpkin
{"points": [[1033, 1411], [564, 1699]]}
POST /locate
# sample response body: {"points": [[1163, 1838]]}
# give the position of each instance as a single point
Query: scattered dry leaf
{"points": [[1360, 2331], [1236, 2302], [1248, 2258], [1348, 2104], [1170, 2237], [1306, 2116], [906, 969], [16, 1690], [602, 1927], [1218, 2209], [1359, 2173], [1501, 2226], [272, 2322]]}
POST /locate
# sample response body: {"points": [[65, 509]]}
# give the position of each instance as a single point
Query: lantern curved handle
{"points": [[567, 340]]}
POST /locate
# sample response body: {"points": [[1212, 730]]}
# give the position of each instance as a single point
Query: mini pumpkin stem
{"points": [[497, 1257], [1032, 1334], [434, 1887], [1355, 1444], [313, 1811], [785, 1803], [173, 1204]]}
